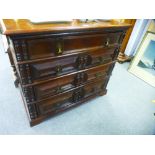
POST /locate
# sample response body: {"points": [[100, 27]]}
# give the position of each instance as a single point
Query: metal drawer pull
{"points": [[58, 69], [97, 75], [59, 48], [107, 43], [59, 89]]}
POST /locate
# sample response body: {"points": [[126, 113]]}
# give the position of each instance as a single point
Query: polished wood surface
{"points": [[20, 26], [60, 84], [43, 70], [65, 99], [61, 66]]}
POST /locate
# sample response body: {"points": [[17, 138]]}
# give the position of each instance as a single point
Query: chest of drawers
{"points": [[61, 66]]}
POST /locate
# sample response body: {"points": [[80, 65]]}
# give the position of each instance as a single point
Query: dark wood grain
{"points": [[65, 83], [61, 66]]}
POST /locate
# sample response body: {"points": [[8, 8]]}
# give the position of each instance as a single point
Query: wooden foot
{"points": [[102, 93]]}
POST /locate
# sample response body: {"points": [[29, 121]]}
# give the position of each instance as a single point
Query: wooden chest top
{"points": [[22, 26]]}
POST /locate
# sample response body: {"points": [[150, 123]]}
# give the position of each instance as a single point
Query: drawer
{"points": [[65, 83], [60, 66], [81, 42], [67, 99], [30, 49]]}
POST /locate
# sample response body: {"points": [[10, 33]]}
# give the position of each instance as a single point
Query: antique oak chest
{"points": [[61, 65]]}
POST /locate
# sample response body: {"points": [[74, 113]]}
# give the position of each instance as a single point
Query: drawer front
{"points": [[88, 41], [65, 100], [30, 49], [60, 66], [40, 48], [68, 82]]}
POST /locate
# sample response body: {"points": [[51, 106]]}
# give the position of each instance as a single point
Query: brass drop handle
{"points": [[58, 69], [97, 75], [59, 48], [59, 89], [107, 43]]}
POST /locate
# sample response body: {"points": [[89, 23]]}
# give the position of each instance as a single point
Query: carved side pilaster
{"points": [[32, 111], [24, 50], [21, 50], [27, 68], [29, 94], [17, 51], [25, 73]]}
